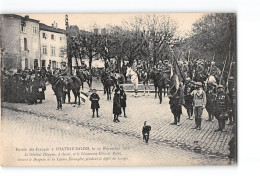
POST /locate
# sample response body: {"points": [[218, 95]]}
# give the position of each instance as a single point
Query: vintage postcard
{"points": [[133, 89]]}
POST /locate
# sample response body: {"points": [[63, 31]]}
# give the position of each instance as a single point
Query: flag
{"points": [[177, 71]]}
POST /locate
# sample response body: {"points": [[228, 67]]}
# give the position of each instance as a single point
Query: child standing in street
{"points": [[94, 98], [116, 105]]}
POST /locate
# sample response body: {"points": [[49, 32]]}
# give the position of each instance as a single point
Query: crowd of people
{"points": [[24, 86], [219, 102]]}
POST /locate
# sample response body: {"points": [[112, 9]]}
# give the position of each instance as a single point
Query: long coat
{"points": [[175, 104], [117, 105], [94, 98], [123, 98]]}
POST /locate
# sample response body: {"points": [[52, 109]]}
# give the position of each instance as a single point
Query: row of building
{"points": [[27, 44]]}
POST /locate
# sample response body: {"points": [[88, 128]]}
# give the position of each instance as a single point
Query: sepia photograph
{"points": [[119, 89]]}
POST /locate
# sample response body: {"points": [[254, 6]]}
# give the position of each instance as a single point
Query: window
{"points": [[34, 30], [52, 36], [54, 66], [35, 63], [26, 63], [60, 38], [43, 63], [53, 51], [23, 27], [25, 44], [44, 49]]}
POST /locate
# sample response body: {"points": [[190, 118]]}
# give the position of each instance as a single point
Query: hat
{"points": [[220, 86], [212, 62], [193, 82], [231, 78]]}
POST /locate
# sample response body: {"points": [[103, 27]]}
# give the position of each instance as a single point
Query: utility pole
{"points": [[68, 51]]}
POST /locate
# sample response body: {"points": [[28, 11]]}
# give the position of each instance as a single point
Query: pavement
{"points": [[23, 130], [139, 109]]}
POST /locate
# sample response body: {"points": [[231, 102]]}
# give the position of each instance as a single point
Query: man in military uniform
{"points": [[211, 94], [232, 96], [188, 98], [221, 104], [185, 69], [65, 71], [160, 66]]}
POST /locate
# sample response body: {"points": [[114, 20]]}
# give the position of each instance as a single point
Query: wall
{"points": [[33, 44], [57, 43], [10, 37]]}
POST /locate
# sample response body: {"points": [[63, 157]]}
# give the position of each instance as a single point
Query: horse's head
{"points": [[128, 71]]}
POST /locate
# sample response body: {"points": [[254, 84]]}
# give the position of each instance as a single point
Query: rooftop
{"points": [[45, 27], [26, 18]]}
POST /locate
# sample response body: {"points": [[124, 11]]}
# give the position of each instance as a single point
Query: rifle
{"points": [[223, 70], [211, 64]]}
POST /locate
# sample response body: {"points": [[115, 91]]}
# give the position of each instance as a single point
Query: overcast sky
{"points": [[85, 21]]}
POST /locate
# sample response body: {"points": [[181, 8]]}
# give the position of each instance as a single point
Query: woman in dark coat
{"points": [[123, 99], [41, 84], [94, 98], [117, 105]]}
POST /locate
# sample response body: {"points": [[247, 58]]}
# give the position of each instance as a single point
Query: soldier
{"points": [[65, 71], [160, 66], [199, 103], [188, 99], [211, 93], [232, 96], [175, 106], [221, 104]]}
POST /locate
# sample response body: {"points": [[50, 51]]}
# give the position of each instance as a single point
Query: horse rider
{"points": [[222, 106], [214, 71]]}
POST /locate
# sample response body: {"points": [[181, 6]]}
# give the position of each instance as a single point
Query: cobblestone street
{"points": [[139, 109], [29, 130]]}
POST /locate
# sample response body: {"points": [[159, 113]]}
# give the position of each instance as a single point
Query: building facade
{"points": [[19, 38], [53, 43]]}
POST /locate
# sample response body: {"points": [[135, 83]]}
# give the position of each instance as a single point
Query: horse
{"points": [[73, 83], [161, 81], [85, 77], [57, 87], [108, 82], [134, 78]]}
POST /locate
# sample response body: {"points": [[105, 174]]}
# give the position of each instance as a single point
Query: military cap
{"points": [[231, 78]]}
